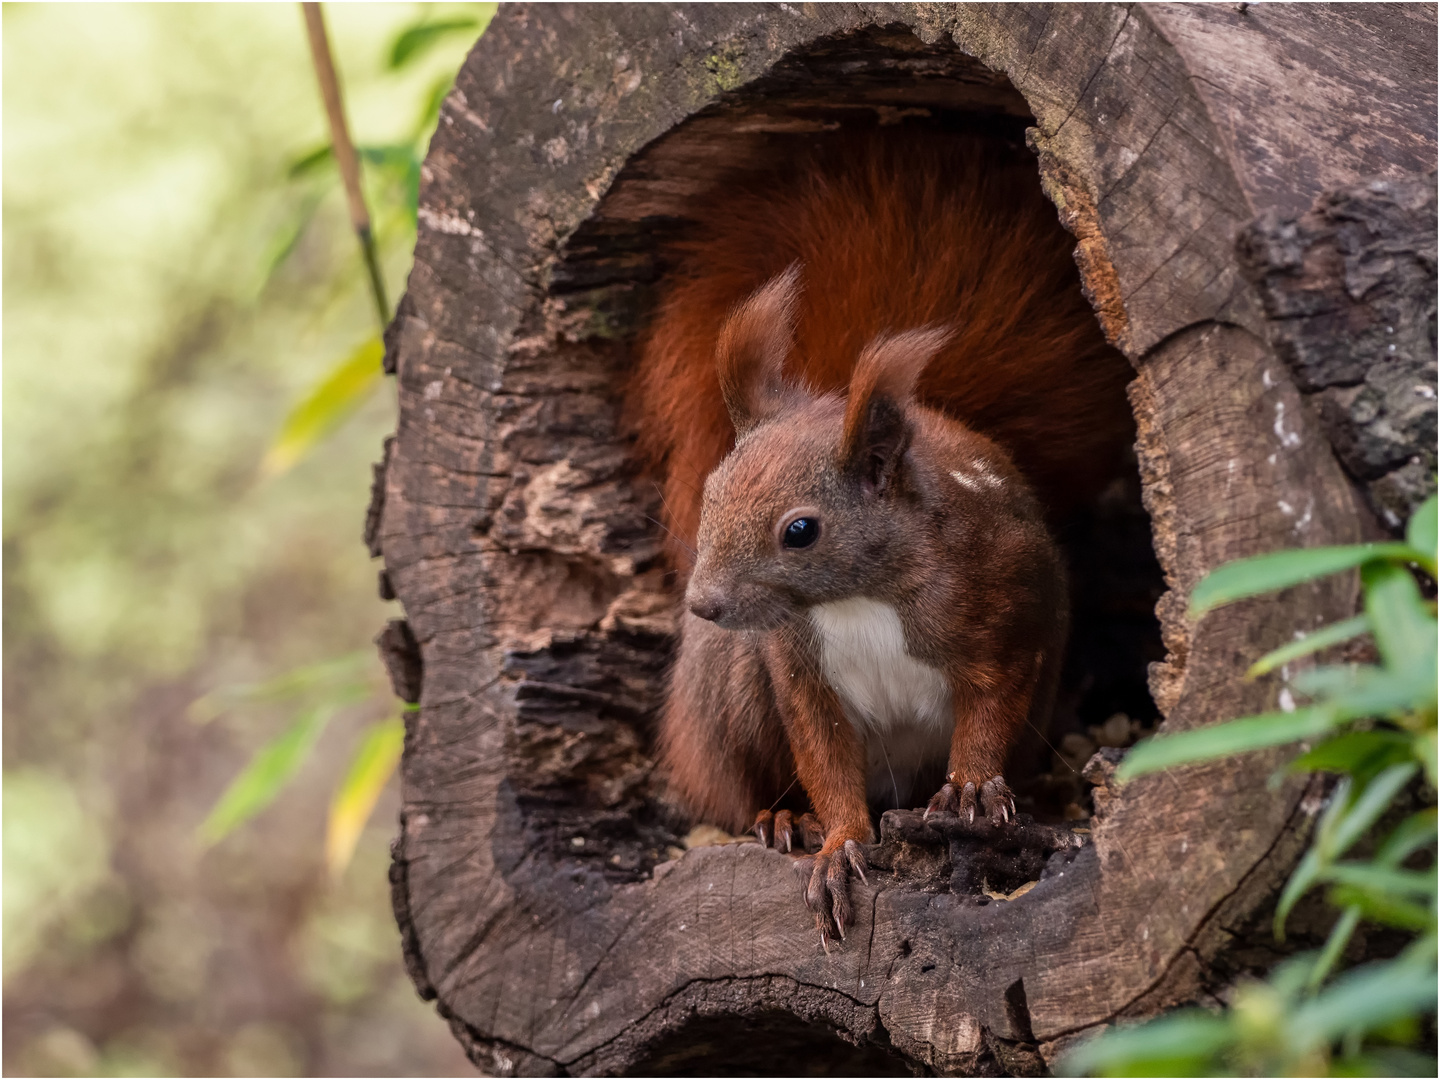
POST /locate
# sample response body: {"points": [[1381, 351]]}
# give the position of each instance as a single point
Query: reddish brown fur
{"points": [[933, 253], [895, 231]]}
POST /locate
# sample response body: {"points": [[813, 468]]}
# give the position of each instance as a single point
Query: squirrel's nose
{"points": [[708, 606]]}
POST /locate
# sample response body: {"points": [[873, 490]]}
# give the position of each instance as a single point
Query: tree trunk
{"points": [[539, 878]]}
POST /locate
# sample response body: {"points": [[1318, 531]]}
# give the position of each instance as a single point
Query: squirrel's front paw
{"points": [[825, 879], [994, 797], [778, 830]]}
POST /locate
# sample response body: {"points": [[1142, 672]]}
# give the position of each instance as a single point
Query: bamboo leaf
{"points": [[1363, 999], [1329, 679], [1404, 629], [1281, 569], [261, 780], [1420, 534], [1340, 935], [291, 684], [1176, 1045], [1410, 835], [1369, 805], [1310, 643], [1355, 691], [1358, 753], [311, 161], [1385, 909], [1307, 871], [284, 242], [370, 770], [416, 40], [1305, 874], [1381, 880], [322, 410], [1222, 740], [430, 111]]}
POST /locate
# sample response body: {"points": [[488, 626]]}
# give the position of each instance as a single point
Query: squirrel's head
{"points": [[812, 505]]}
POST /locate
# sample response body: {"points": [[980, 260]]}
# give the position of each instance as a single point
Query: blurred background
{"points": [[188, 607]]}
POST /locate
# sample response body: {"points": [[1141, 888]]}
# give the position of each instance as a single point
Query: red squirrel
{"points": [[876, 603]]}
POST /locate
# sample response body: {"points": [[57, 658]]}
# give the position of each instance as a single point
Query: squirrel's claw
{"points": [[763, 828], [811, 832], [944, 801], [856, 858], [784, 831], [826, 885], [777, 830], [997, 801], [992, 800]]}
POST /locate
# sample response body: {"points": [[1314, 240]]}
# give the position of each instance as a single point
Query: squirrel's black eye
{"points": [[802, 532]]}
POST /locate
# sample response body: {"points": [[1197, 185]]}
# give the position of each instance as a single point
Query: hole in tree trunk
{"points": [[772, 1043], [617, 263]]}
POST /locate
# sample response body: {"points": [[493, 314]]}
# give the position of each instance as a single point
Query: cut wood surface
{"points": [[540, 882]]}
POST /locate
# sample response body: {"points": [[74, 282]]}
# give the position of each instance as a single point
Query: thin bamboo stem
{"points": [[344, 150]]}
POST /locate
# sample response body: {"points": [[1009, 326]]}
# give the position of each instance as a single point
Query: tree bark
{"points": [[538, 878]]}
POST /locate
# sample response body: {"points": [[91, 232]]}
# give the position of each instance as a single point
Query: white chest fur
{"points": [[899, 706]]}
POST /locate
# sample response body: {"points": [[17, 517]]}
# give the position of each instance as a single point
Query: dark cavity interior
{"points": [[771, 1043], [614, 264]]}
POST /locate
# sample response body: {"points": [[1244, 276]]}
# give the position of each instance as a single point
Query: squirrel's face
{"points": [[812, 504], [783, 527]]}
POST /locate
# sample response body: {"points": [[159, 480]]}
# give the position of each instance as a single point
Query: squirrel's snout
{"points": [[706, 605]]}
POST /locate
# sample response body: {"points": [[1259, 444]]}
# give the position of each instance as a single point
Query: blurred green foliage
{"points": [[1378, 722], [171, 292], [319, 412]]}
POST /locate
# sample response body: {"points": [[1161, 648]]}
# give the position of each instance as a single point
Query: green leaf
{"points": [[370, 770], [1368, 806], [430, 111], [1310, 643], [396, 157], [1385, 1061], [416, 40], [1305, 874], [1355, 691], [1330, 679], [1415, 832], [1362, 999], [1340, 935], [1388, 693], [1222, 740], [292, 684], [1382, 880], [1188, 1039], [1385, 909], [310, 162], [338, 395], [261, 780], [1307, 871], [1421, 532], [1281, 569], [283, 244], [1425, 746], [1404, 628], [1359, 753]]}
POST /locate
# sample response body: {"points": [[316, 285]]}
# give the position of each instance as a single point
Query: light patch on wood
{"points": [[1021, 891]]}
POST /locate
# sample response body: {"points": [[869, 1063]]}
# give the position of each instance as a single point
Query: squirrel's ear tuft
{"points": [[751, 351], [876, 435]]}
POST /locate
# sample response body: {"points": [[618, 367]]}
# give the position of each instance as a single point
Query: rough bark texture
{"points": [[1349, 288], [543, 896]]}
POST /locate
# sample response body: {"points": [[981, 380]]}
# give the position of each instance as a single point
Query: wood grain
{"points": [[536, 877]]}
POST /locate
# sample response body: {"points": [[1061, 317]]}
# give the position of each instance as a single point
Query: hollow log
{"points": [[548, 899]]}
